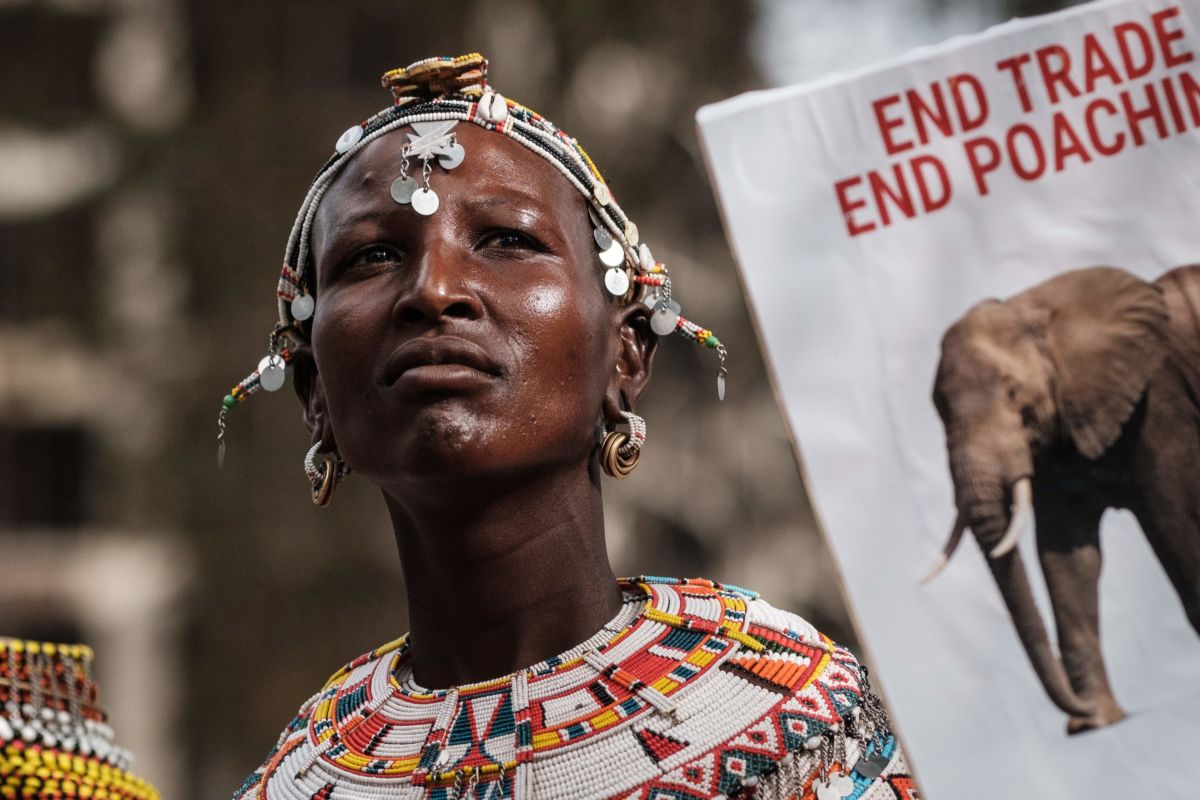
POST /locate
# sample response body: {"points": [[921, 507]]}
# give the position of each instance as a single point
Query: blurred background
{"points": [[152, 156]]}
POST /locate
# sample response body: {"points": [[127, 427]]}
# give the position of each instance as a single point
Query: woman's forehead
{"points": [[494, 169]]}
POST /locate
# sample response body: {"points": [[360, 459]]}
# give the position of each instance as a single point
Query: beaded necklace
{"points": [[54, 738], [694, 690]]}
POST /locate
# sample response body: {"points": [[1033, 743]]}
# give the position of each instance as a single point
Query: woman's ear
{"points": [[635, 357], [1107, 336], [306, 380]]}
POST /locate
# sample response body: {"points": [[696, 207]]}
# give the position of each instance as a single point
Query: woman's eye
{"points": [[509, 239], [374, 255]]}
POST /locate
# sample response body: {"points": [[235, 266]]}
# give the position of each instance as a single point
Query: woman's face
{"points": [[476, 340]]}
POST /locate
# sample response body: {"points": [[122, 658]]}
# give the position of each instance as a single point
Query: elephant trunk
{"points": [[982, 502]]}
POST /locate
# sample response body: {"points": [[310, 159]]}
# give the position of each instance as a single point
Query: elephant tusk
{"points": [[1022, 511], [951, 545]]}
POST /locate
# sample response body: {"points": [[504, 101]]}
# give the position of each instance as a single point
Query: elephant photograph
{"points": [[1075, 396]]}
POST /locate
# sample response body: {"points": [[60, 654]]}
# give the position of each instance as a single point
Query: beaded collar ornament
{"points": [[696, 690], [431, 97], [54, 738]]}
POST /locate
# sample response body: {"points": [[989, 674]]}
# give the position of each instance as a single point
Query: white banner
{"points": [[871, 214]]}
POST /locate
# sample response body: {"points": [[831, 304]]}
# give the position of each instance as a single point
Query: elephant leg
{"points": [[1172, 527], [1068, 537], [1169, 505]]}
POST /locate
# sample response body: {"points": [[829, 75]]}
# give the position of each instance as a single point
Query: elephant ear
{"points": [[1107, 336]]}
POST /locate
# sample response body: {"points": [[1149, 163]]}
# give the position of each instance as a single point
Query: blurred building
{"points": [[91, 318], [152, 154]]}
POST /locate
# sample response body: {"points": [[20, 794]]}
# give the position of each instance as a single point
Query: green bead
{"points": [[711, 341], [230, 401]]}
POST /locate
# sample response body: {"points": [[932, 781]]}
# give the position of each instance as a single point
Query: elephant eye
{"points": [[1027, 418]]}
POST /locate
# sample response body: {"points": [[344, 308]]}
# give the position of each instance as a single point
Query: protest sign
{"points": [[958, 264]]}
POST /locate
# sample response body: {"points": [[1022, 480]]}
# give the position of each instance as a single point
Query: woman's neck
{"points": [[499, 581]]}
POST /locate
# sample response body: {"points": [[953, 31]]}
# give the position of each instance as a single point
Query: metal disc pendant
{"points": [[403, 189], [616, 281], [663, 321], [871, 764], [271, 372], [603, 238], [425, 201], [673, 307], [351, 137], [631, 233], [302, 307], [451, 156], [835, 787], [614, 255]]}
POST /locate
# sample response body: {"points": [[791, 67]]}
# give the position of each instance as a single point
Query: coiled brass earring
{"points": [[324, 478], [619, 453]]}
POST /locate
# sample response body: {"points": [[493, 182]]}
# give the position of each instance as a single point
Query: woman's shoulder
{"points": [[704, 690]]}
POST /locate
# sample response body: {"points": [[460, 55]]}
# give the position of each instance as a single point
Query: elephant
{"points": [[1077, 395]]}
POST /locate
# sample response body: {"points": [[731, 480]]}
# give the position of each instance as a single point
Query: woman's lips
{"points": [[441, 363]]}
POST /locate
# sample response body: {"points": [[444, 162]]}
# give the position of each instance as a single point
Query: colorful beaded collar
{"points": [[683, 669]]}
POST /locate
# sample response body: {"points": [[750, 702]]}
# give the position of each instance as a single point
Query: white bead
{"points": [[6, 731], [348, 139]]}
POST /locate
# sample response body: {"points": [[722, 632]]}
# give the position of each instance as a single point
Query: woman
{"points": [[470, 316]]}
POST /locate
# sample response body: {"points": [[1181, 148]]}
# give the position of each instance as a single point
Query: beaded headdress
{"points": [[451, 90], [54, 738]]}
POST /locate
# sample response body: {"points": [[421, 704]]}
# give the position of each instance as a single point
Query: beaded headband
{"points": [[452, 90]]}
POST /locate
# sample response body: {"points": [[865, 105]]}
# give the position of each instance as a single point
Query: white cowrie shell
{"points": [[493, 107], [645, 259]]}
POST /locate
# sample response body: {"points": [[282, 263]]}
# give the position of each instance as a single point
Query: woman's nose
{"points": [[438, 288]]}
